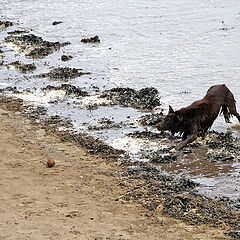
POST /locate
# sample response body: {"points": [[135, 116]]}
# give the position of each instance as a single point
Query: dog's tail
{"points": [[229, 107]]}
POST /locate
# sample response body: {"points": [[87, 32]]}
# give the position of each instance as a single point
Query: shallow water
{"points": [[179, 47], [215, 178]]}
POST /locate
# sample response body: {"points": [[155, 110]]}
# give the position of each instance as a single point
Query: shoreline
{"points": [[79, 198], [95, 191]]}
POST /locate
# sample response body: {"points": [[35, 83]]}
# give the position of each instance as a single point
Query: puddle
{"points": [[216, 179], [214, 165]]}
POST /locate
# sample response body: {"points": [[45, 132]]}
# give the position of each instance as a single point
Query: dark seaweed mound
{"points": [[160, 156], [151, 119], [17, 32], [5, 24], [146, 98], [149, 135], [70, 90], [22, 67], [63, 73], [34, 45], [105, 123], [222, 147], [91, 40]]}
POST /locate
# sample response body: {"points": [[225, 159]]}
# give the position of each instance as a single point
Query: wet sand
{"points": [[79, 198]]}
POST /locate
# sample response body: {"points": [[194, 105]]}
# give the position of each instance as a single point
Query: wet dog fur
{"points": [[200, 115]]}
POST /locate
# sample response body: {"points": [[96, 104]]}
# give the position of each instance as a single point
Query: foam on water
{"points": [[135, 146], [41, 99], [92, 100]]}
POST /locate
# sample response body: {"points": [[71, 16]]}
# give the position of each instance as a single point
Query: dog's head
{"points": [[172, 122]]}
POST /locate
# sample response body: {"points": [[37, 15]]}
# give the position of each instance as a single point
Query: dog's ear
{"points": [[170, 110]]}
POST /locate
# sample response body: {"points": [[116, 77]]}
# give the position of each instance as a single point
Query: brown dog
{"points": [[200, 115]]}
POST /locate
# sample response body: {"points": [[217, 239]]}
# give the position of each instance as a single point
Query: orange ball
{"points": [[50, 163]]}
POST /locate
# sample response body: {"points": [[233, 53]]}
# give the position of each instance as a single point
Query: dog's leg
{"points": [[226, 113], [189, 139], [237, 116]]}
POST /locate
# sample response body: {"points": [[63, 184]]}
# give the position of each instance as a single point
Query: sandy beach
{"points": [[78, 198]]}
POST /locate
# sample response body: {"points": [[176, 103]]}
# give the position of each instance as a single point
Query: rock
{"points": [[5, 24], [65, 58], [56, 23], [91, 40]]}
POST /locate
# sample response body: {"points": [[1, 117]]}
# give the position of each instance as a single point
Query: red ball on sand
{"points": [[50, 163]]}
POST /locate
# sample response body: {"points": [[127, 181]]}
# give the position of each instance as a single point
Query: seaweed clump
{"points": [[222, 147], [70, 90], [92, 145], [146, 98], [34, 46], [149, 135], [175, 197], [163, 154], [22, 67], [18, 32], [5, 24], [151, 119], [162, 157], [105, 123], [91, 40], [63, 73]]}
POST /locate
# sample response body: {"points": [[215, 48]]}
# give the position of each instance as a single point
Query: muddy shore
{"points": [[105, 189], [85, 195]]}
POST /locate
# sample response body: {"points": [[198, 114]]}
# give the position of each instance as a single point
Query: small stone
{"points": [[56, 23], [91, 40], [65, 58]]}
